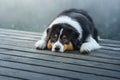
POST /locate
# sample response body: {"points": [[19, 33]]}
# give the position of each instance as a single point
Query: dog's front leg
{"points": [[89, 45], [41, 44]]}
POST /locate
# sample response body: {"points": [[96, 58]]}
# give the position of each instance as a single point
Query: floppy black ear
{"points": [[48, 31], [75, 34], [75, 40]]}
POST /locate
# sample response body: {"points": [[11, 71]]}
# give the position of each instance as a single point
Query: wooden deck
{"points": [[19, 60]]}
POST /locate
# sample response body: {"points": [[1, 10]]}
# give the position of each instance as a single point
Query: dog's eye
{"points": [[64, 37], [55, 36]]}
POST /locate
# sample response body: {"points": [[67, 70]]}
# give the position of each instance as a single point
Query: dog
{"points": [[72, 29]]}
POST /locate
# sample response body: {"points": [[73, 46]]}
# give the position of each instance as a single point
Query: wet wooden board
{"points": [[19, 60]]}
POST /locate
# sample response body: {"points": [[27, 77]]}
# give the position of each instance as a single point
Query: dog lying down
{"points": [[73, 29]]}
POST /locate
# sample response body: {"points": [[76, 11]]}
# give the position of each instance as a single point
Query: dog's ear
{"points": [[48, 31], [75, 34], [75, 39]]}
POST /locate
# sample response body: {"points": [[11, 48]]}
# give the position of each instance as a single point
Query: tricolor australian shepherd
{"points": [[72, 30]]}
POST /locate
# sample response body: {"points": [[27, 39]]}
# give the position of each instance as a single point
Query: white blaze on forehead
{"points": [[60, 34], [58, 43], [68, 20]]}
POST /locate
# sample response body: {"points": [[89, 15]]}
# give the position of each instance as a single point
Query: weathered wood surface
{"points": [[19, 60]]}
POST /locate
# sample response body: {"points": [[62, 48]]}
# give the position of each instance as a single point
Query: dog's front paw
{"points": [[88, 47], [85, 48], [41, 44]]}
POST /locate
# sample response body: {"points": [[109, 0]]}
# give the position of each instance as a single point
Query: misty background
{"points": [[35, 15]]}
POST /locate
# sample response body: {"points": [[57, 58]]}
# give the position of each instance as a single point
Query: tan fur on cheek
{"points": [[68, 47], [49, 44]]}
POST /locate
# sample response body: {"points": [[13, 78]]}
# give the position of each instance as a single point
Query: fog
{"points": [[35, 15]]}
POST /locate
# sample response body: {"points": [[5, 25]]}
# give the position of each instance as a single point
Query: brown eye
{"points": [[55, 36], [64, 37]]}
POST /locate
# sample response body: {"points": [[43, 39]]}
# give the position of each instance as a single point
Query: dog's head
{"points": [[61, 37]]}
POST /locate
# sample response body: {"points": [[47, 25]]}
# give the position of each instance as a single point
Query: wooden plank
{"points": [[19, 43], [16, 48], [34, 42], [46, 70], [24, 42], [3, 39], [58, 66], [48, 55], [37, 35], [34, 39], [30, 44], [18, 31], [18, 37], [108, 55], [27, 75], [82, 62], [110, 48], [105, 53], [109, 41], [20, 34], [42, 52], [110, 45], [6, 77]]}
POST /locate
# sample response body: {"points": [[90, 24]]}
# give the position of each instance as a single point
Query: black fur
{"points": [[84, 20], [68, 30]]}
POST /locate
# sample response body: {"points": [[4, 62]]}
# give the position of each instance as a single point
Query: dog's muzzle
{"points": [[58, 47]]}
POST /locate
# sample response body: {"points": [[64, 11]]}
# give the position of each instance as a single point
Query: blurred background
{"points": [[35, 15]]}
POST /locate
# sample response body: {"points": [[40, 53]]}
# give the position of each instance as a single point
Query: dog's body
{"points": [[73, 29]]}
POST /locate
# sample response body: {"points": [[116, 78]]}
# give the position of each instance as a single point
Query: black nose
{"points": [[57, 48]]}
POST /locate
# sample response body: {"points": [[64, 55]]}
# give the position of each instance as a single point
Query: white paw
{"points": [[41, 44], [85, 48], [88, 47]]}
